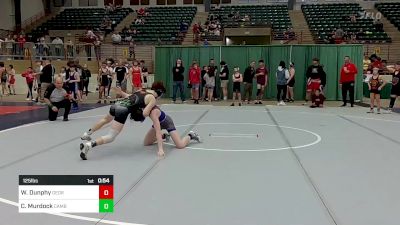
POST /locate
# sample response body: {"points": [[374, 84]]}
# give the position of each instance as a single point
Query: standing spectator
{"points": [[290, 83], [282, 75], [237, 79], [121, 73], [203, 88], [45, 77], [86, 74], [194, 81], [20, 46], [223, 76], [212, 70], [57, 96], [316, 78], [348, 75], [3, 76], [145, 74], [97, 48], [37, 85], [178, 77], [9, 46], [132, 50], [63, 73], [366, 62], [210, 83], [375, 85], [29, 77], [262, 79], [248, 78], [58, 44], [137, 80], [70, 49], [102, 79], [72, 80], [196, 32], [395, 91], [110, 65], [11, 79]]}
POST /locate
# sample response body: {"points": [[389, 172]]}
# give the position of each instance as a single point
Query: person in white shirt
{"points": [[58, 44], [116, 38]]}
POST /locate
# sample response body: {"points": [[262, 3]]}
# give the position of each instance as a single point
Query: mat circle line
{"points": [[316, 141]]}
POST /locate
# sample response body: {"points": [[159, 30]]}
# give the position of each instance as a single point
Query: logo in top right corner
{"points": [[370, 15]]}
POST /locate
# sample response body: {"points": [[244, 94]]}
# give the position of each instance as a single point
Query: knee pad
{"points": [[110, 136]]}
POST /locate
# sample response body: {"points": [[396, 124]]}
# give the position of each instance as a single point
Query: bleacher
{"points": [[162, 23], [276, 16], [322, 19], [81, 18], [391, 11]]}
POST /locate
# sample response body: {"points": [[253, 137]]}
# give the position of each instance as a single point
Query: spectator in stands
{"points": [[217, 6], [70, 49], [97, 49], [366, 62], [20, 46], [196, 32], [58, 44], [9, 46], [57, 96], [378, 25], [116, 38], [110, 8], [183, 27], [141, 12], [205, 43], [353, 18], [29, 78], [178, 77], [132, 50]]}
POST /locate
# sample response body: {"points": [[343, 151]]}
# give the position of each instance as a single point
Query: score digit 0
{"points": [[106, 192]]}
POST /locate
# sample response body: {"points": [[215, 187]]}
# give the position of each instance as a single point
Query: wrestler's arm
{"points": [[157, 127], [119, 91], [150, 101]]}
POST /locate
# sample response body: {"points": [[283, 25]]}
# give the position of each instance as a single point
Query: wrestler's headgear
{"points": [[159, 88]]}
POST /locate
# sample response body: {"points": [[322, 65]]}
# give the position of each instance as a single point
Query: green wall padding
{"points": [[331, 56]]}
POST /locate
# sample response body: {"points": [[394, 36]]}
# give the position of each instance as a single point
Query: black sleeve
{"points": [[89, 74], [49, 90], [308, 73], [182, 69], [67, 88], [323, 77]]}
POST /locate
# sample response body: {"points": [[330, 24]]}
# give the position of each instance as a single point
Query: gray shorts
{"points": [[167, 124]]}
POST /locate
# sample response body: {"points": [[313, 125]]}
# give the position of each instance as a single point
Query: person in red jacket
{"points": [[194, 81], [348, 75], [29, 77]]}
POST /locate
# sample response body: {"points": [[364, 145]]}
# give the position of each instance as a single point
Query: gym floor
{"points": [[257, 165]]}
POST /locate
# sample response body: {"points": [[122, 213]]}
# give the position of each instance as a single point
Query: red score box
{"points": [[106, 192]]}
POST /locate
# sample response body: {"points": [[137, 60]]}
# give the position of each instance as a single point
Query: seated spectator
{"points": [[141, 12], [217, 32], [125, 30], [339, 33], [217, 6], [353, 19], [128, 38], [116, 38], [378, 25], [317, 99], [58, 96]]}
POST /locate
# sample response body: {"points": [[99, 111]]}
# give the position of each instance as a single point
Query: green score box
{"points": [[106, 205]]}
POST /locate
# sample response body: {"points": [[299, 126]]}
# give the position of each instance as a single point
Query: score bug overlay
{"points": [[66, 193]]}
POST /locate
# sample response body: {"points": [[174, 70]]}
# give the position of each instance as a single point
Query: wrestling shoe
{"points": [[166, 137], [389, 110], [86, 137], [194, 136], [85, 147]]}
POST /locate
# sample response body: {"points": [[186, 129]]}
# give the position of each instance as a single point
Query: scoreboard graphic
{"points": [[66, 193]]}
